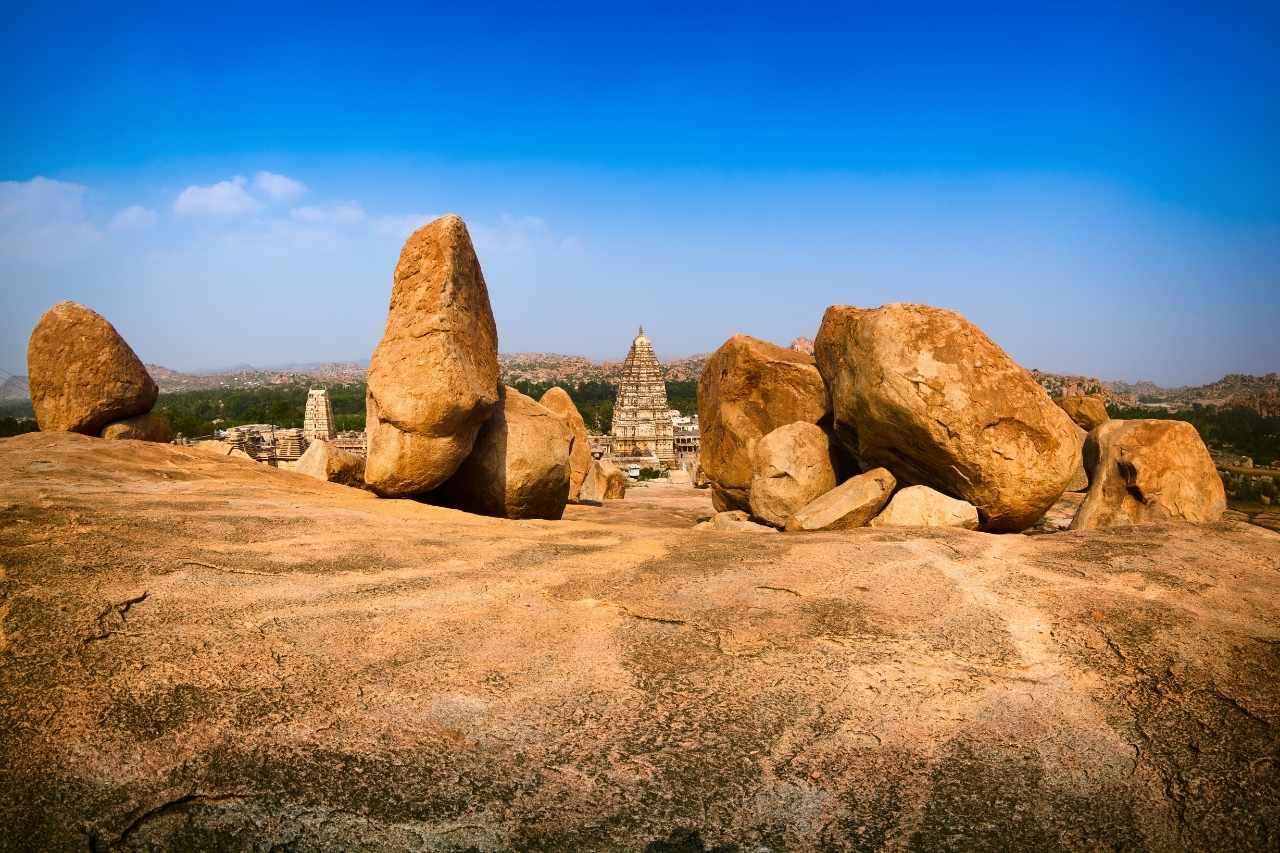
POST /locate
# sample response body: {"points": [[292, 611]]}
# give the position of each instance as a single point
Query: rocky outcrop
{"points": [[433, 379], [923, 392], [921, 506], [853, 503], [83, 375], [519, 467], [748, 388], [791, 466], [1087, 410], [152, 426], [605, 481], [1148, 471], [733, 521], [324, 460], [558, 401]]}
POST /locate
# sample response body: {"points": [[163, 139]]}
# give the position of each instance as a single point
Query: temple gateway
{"points": [[642, 432]]}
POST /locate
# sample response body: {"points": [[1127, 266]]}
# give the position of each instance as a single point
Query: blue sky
{"points": [[1098, 188]]}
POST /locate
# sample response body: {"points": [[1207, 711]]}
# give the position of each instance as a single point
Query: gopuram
{"points": [[642, 429], [317, 418]]}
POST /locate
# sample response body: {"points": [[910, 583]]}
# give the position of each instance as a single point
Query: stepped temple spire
{"points": [[641, 417], [317, 419]]}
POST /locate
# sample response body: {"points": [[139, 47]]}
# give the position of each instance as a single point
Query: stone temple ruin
{"points": [[317, 419], [642, 432]]}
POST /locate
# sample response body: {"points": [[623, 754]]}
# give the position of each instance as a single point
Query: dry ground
{"points": [[204, 653]]}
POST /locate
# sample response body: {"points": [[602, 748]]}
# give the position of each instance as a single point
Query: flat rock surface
{"points": [[201, 653]]}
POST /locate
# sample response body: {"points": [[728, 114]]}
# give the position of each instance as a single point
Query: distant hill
{"points": [[15, 388]]}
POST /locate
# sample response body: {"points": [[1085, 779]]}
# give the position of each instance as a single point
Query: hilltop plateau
{"points": [[196, 651]]}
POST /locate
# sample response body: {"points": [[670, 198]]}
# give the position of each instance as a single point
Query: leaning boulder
{"points": [[558, 401], [324, 460], [853, 503], [748, 388], [152, 426], [83, 376], [1087, 410], [1146, 471], [791, 466], [923, 392], [733, 521], [433, 379], [921, 506], [519, 467], [605, 481]]}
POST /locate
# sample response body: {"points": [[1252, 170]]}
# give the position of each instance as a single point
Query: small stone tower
{"points": [[641, 417], [317, 420]]}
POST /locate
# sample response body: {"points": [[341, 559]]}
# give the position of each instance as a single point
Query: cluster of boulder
{"points": [[909, 415], [85, 378], [440, 425]]}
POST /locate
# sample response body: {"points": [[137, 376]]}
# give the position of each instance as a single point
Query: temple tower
{"points": [[641, 417], [317, 420]]}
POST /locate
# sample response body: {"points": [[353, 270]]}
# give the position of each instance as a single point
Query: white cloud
{"points": [[223, 198], [278, 187], [43, 219], [346, 213], [134, 216], [400, 226]]}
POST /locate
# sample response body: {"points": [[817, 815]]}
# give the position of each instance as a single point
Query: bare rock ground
{"points": [[200, 652]]}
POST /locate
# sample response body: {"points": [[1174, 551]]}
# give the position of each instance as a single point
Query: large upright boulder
{"points": [[748, 388], [152, 426], [1148, 471], [519, 467], [791, 466], [433, 379], [1087, 410], [605, 482], [83, 375], [923, 392], [324, 460], [558, 401]]}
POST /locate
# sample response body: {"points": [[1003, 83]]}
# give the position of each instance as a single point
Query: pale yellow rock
{"points": [[82, 374], [519, 467], [1148, 471], [733, 521], [433, 379], [923, 392], [921, 506], [748, 388], [791, 466], [853, 503], [558, 401], [605, 481], [324, 460], [152, 426]]}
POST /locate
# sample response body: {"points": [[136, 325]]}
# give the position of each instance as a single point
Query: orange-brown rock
{"points": [[748, 388], [152, 426], [324, 460], [605, 482], [83, 376], [519, 467], [1087, 410], [1148, 471], [853, 503], [558, 400], [433, 379], [923, 392], [791, 466]]}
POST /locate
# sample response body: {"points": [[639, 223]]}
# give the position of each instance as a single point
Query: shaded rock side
{"points": [[748, 388], [558, 401], [1144, 471], [324, 460], [733, 521], [152, 426], [1087, 410], [433, 378], [605, 481], [519, 467], [853, 503], [1080, 477], [83, 375], [923, 392], [921, 506], [791, 466]]}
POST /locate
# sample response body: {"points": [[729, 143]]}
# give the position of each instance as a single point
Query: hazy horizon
{"points": [[1097, 189]]}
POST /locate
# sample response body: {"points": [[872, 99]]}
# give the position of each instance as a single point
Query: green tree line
{"points": [[1242, 431]]}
